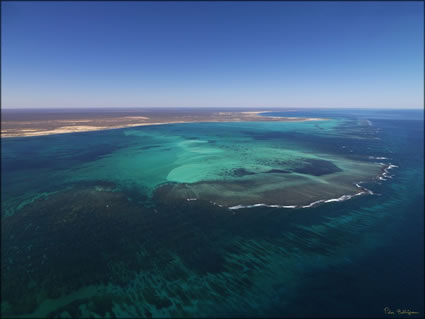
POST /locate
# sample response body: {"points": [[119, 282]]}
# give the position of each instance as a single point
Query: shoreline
{"points": [[60, 126]]}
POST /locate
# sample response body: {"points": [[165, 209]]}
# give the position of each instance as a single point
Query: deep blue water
{"points": [[392, 275]]}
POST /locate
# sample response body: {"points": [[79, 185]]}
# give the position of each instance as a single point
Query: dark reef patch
{"points": [[67, 240], [239, 172], [93, 233], [279, 171], [317, 167], [149, 147]]}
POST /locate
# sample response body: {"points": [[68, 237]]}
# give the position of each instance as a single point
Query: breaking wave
{"points": [[378, 157], [315, 203]]}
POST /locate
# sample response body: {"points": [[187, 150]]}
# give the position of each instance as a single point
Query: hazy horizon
{"points": [[213, 55], [209, 107]]}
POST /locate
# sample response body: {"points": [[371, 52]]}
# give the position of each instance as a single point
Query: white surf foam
{"points": [[385, 175], [378, 157], [262, 205]]}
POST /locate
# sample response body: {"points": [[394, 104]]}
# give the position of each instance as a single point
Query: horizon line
{"points": [[207, 107]]}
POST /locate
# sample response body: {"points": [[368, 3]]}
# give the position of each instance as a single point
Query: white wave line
{"points": [[378, 157], [339, 199]]}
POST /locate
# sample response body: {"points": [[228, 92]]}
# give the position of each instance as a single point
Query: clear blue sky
{"points": [[270, 54]]}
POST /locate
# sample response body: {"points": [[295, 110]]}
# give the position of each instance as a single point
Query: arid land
{"points": [[21, 123]]}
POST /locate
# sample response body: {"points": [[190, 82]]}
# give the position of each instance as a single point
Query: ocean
{"points": [[246, 219]]}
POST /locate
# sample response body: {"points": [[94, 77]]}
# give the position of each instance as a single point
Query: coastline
{"points": [[28, 128], [75, 129]]}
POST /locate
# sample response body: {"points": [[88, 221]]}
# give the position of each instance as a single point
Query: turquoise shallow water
{"points": [[274, 157], [99, 223]]}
